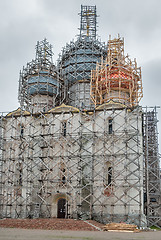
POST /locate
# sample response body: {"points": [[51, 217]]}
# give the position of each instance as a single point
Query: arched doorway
{"points": [[61, 213]]}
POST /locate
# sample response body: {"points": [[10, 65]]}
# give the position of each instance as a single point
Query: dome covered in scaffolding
{"points": [[117, 78], [79, 57], [38, 85]]}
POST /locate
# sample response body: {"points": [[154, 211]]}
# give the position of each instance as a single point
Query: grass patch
{"points": [[155, 228]]}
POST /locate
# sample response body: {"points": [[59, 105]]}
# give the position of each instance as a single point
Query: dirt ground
{"points": [[50, 224], [53, 229], [37, 234]]}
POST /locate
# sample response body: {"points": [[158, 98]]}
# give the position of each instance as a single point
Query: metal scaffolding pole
{"points": [[152, 188]]}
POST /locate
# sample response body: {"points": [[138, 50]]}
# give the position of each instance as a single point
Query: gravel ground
{"points": [[30, 234]]}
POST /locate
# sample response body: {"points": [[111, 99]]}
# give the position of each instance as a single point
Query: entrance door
{"points": [[61, 208]]}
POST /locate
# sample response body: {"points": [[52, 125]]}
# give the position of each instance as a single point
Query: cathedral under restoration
{"points": [[80, 146]]}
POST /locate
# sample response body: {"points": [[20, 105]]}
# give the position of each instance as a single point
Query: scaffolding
{"points": [[88, 24], [39, 83], [117, 78], [95, 168], [78, 58], [152, 188], [83, 160]]}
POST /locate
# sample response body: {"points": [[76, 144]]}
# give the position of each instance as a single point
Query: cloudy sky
{"points": [[24, 22]]}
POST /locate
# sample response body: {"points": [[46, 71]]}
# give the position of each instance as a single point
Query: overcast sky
{"points": [[24, 22]]}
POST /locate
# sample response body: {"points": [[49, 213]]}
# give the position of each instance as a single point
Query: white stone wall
{"points": [[84, 152]]}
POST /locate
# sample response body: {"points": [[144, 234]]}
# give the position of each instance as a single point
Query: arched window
{"points": [[109, 175], [64, 128], [21, 130], [110, 125]]}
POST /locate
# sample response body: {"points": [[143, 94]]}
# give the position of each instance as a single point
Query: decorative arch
{"points": [[59, 196]]}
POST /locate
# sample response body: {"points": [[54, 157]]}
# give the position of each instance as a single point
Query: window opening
{"points": [[64, 128], [63, 176], [63, 180], [109, 175], [21, 130], [110, 126]]}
